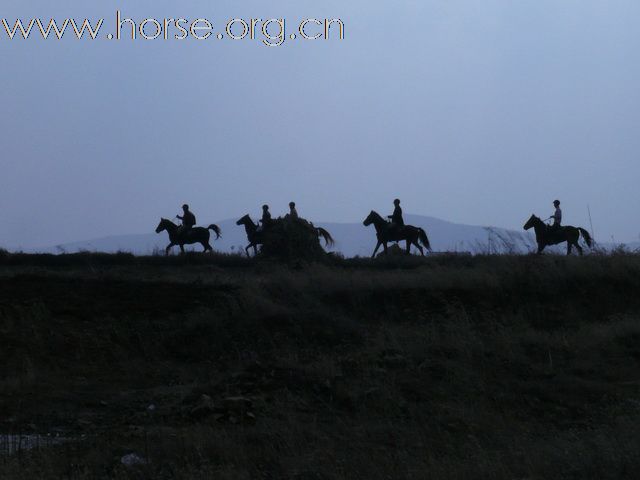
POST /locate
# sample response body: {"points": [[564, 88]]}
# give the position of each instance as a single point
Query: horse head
{"points": [[166, 224], [162, 225], [370, 218], [244, 220], [533, 220]]}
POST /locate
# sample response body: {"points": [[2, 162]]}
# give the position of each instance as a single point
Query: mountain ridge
{"points": [[352, 239]]}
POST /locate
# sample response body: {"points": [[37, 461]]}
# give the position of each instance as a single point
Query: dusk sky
{"points": [[478, 112]]}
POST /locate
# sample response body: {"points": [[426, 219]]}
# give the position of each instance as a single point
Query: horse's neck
{"points": [[248, 224], [379, 222]]}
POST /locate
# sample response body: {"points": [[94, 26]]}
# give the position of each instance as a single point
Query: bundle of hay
{"points": [[291, 238]]}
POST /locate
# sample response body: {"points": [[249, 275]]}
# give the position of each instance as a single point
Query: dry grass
{"points": [[449, 367]]}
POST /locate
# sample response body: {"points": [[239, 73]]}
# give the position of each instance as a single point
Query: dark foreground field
{"points": [[222, 368]]}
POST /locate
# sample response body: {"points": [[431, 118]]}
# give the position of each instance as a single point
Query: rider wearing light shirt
{"points": [[557, 215]]}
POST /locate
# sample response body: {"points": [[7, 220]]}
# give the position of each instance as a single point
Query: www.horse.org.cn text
{"points": [[272, 32]]}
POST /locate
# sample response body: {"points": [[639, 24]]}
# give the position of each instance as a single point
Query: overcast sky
{"points": [[478, 112]]}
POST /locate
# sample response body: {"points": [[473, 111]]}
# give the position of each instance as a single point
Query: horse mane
{"points": [[247, 218], [373, 212]]}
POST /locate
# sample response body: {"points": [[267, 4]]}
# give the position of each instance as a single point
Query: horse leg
{"points": [[182, 248], [408, 250], [168, 249], [384, 245], [376, 249], [247, 250], [419, 247], [207, 247], [540, 248], [578, 247], [568, 248]]}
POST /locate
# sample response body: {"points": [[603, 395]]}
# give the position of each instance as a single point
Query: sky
{"points": [[479, 112]]}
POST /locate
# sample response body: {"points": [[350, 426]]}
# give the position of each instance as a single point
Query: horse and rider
{"points": [[395, 230], [556, 233], [187, 233], [256, 232]]}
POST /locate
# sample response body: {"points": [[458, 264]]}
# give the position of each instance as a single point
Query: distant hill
{"points": [[352, 239]]}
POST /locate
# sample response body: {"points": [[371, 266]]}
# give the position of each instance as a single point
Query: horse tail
{"points": [[328, 239], [424, 239], [216, 230], [586, 236]]}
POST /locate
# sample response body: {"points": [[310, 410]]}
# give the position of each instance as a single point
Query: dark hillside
{"points": [[222, 367]]}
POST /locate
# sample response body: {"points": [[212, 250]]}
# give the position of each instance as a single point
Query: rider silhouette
{"points": [[188, 220], [397, 222], [293, 213], [266, 218], [557, 217]]}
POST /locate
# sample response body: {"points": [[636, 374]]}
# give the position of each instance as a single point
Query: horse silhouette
{"points": [[385, 234], [256, 237], [546, 236], [195, 235]]}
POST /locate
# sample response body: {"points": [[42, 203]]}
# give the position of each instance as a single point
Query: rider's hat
{"points": [[292, 204], [185, 206], [265, 207], [556, 202], [396, 201]]}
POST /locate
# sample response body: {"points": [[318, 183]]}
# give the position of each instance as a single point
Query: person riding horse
{"points": [[384, 234], [188, 220], [397, 222], [196, 235], [557, 217], [293, 213], [546, 235], [266, 220]]}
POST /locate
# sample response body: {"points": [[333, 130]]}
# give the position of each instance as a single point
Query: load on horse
{"points": [[288, 237]]}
